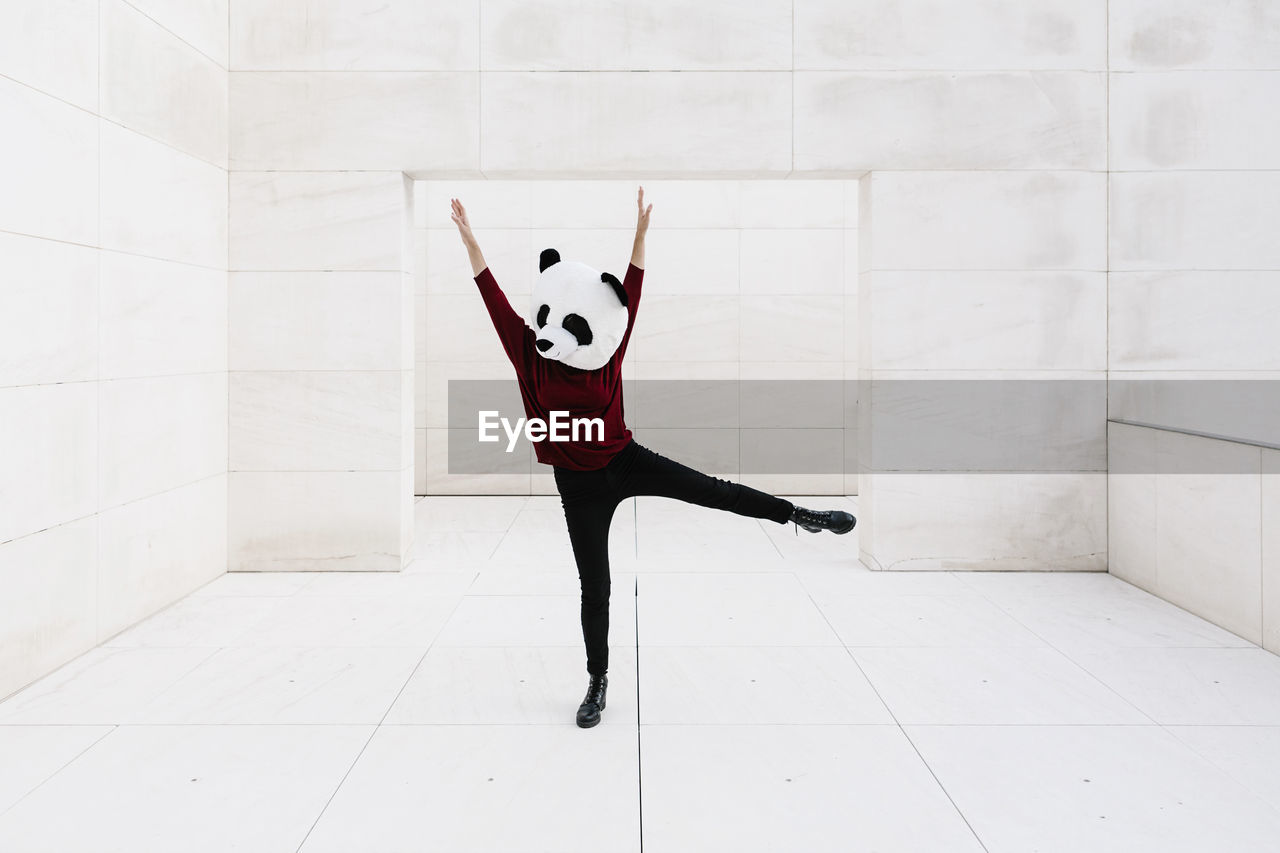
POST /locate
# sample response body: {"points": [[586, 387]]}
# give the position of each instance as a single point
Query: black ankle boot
{"points": [[834, 520], [589, 711]]}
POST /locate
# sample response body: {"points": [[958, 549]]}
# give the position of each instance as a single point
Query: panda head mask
{"points": [[580, 313]]}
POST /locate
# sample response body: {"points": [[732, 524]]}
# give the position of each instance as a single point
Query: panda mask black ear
{"points": [[548, 258], [612, 280]]}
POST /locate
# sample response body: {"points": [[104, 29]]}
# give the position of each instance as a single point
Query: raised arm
{"points": [[516, 336], [634, 278], [642, 225], [459, 217]]}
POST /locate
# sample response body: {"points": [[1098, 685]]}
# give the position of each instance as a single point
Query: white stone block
{"points": [[153, 551], [851, 262], [799, 203], [330, 420], [406, 404], [792, 261], [440, 481], [316, 221], [688, 261], [434, 382], [1271, 550], [1195, 220], [354, 35], [315, 320], [950, 120], [825, 371], [157, 84], [590, 122], [49, 474], [852, 187], [489, 204], [156, 433], [935, 34], [49, 604], [997, 320], [459, 327], [49, 323], [585, 204], [852, 331], [508, 252], [1030, 423], [987, 522], [420, 462], [420, 329], [200, 23], [314, 521], [160, 202], [1192, 34], [48, 166], [408, 529], [686, 203], [564, 35], [1195, 120], [160, 317], [1131, 505], [595, 204], [1208, 530], [693, 327], [1186, 320], [793, 327], [359, 120], [53, 47], [987, 220]]}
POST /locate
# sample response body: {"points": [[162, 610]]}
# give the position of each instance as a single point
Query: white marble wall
{"points": [[113, 330], [1195, 295], [744, 280], [1035, 167], [1194, 520], [320, 412], [1007, 104], [993, 276]]}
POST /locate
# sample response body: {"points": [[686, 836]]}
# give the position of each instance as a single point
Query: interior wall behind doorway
{"points": [[744, 279]]}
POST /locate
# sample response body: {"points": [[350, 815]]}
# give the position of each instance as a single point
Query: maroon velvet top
{"points": [[548, 385]]}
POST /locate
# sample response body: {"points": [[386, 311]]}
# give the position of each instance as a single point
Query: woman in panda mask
{"points": [[572, 362]]}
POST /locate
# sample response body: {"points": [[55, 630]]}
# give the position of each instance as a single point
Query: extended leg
{"points": [[654, 474]]}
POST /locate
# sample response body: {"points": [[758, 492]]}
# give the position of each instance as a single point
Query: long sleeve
{"points": [[632, 284], [516, 336]]}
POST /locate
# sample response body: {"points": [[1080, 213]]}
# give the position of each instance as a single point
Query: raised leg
{"points": [[654, 474]]}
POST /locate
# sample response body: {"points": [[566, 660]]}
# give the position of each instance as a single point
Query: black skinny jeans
{"points": [[590, 497]]}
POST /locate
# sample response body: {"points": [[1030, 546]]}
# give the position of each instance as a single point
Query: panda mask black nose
{"points": [[580, 313]]}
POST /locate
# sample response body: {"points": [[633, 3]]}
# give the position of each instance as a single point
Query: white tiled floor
{"points": [[766, 693]]}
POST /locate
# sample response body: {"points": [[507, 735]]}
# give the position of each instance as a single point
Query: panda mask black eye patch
{"points": [[579, 328]]}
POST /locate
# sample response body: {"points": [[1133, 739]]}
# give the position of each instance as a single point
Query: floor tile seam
{"points": [[377, 727], [56, 772], [1063, 653], [635, 603], [903, 731], [1257, 795], [524, 506], [336, 788]]}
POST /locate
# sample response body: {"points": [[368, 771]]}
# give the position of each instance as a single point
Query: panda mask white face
{"points": [[580, 313]]}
